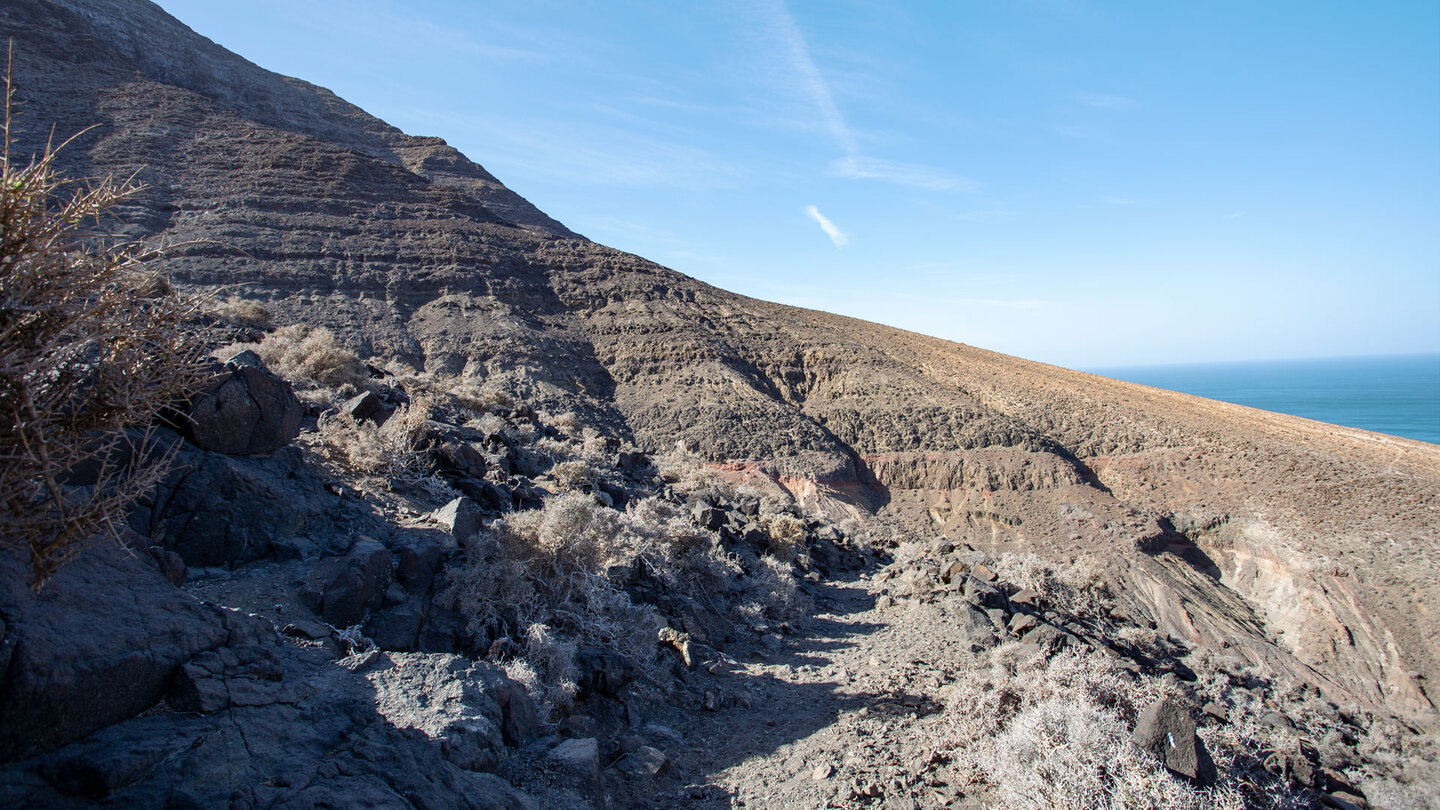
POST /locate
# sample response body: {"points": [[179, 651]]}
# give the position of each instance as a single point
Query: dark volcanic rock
{"points": [[243, 411], [602, 672], [297, 731], [97, 645], [364, 406], [1167, 732], [215, 509], [358, 586]]}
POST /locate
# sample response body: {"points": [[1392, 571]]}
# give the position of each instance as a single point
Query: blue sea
{"points": [[1399, 395]]}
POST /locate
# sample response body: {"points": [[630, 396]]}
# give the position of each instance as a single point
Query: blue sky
{"points": [[1086, 184]]}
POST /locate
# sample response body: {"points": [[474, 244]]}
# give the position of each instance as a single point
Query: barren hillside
{"points": [[1308, 548], [408, 249]]}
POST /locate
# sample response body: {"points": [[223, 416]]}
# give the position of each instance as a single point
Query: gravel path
{"points": [[844, 713]]}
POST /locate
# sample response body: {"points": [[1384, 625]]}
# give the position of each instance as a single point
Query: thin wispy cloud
{"points": [[858, 167], [1105, 101], [836, 235], [809, 80], [810, 83]]}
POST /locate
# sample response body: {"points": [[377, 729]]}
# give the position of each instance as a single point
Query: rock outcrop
{"points": [[243, 410], [97, 645]]}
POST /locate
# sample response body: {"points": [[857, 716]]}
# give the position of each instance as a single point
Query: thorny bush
{"points": [[90, 345]]}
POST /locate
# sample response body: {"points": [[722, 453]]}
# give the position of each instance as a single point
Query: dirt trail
{"points": [[844, 713]]}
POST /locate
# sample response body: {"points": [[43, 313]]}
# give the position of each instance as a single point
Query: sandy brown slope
{"points": [[1304, 545]]}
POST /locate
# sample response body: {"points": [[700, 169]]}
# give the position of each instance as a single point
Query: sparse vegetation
{"points": [[1053, 732], [310, 356], [242, 312], [391, 451]]}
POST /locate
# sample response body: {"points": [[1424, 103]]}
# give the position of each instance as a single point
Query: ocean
{"points": [[1399, 395]]}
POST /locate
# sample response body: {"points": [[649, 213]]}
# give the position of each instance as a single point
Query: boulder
{"points": [[459, 457], [1167, 732], [364, 406], [1046, 636], [579, 756], [244, 410], [491, 498], [417, 560], [983, 594], [708, 516], [98, 644], [398, 627], [214, 509], [358, 586], [1022, 623], [1025, 599], [471, 708], [462, 517]]}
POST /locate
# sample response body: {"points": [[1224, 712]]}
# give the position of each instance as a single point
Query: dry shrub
{"points": [[574, 476], [242, 312], [1076, 587], [1055, 732], [390, 451], [546, 668], [311, 354], [770, 592], [489, 424], [564, 568], [787, 535], [688, 472], [89, 345], [568, 423]]}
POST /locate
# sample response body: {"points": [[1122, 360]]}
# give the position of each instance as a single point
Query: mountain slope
{"points": [[1306, 546]]}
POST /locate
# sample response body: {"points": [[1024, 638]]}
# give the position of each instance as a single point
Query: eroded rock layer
{"points": [[1307, 545]]}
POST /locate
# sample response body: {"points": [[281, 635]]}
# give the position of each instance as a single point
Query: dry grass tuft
{"points": [[391, 451], [242, 312], [311, 355]]}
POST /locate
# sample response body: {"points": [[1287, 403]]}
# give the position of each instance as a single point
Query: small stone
{"points": [[1022, 623], [1276, 720], [462, 517], [822, 772], [983, 573], [1217, 711], [580, 755], [363, 406], [644, 761], [1025, 597], [712, 700], [1344, 800], [315, 631], [678, 643]]}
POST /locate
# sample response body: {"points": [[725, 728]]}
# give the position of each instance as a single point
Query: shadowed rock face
{"points": [[1308, 546]]}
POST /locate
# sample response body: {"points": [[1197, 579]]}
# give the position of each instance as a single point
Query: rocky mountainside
{"points": [[1301, 542], [1305, 548]]}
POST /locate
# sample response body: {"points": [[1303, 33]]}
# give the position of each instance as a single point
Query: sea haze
{"points": [[1399, 395]]}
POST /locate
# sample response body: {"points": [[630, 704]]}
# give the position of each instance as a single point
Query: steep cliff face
{"points": [[1305, 545]]}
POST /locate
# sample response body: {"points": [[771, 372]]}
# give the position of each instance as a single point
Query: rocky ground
{"points": [[299, 621]]}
